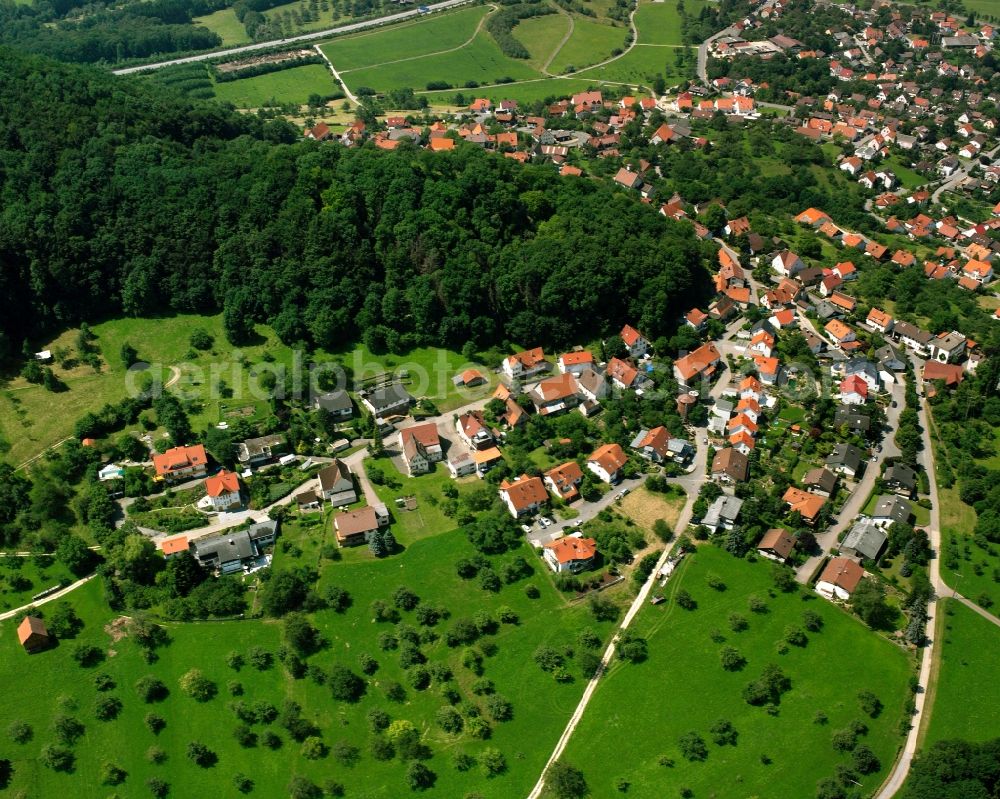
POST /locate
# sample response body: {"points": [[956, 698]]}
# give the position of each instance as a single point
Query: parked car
{"points": [[526, 528], [544, 521]]}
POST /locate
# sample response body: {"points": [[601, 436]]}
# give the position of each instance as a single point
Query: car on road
{"points": [[704, 441], [623, 493], [544, 521], [526, 528]]}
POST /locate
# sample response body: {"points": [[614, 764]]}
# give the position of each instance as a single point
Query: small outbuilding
{"points": [[33, 635]]}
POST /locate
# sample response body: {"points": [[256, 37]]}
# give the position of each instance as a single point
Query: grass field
{"points": [[480, 61], [406, 40], [541, 705], [292, 86], [22, 578], [590, 43], [224, 23], [640, 711], [541, 35], [640, 65], [28, 419], [965, 699], [527, 91], [907, 177], [659, 23]]}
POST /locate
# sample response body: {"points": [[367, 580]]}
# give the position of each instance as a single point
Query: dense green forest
{"points": [[119, 197]]}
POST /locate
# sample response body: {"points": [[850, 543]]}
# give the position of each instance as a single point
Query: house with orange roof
{"points": [[172, 547], [787, 264], [741, 296], [480, 104], [521, 365], [838, 332], [843, 301], [563, 481], [783, 319], [846, 270], [568, 170], [750, 387], [570, 554], [523, 496], [768, 369], [879, 320], [750, 408], [653, 444], [608, 462], [876, 250], [969, 284], [696, 318], [978, 271], [575, 362], [555, 395], [831, 231], [472, 428], [421, 445], [741, 423], [839, 579], [181, 463], [622, 373], [441, 143], [805, 503], [742, 442], [854, 241], [698, 364], [904, 258], [638, 345], [470, 378], [223, 490], [663, 135], [762, 342]]}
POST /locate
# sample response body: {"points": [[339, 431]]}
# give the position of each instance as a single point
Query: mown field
{"points": [[22, 578], [541, 705], [642, 64], [32, 418], [966, 696], [292, 86], [541, 36], [640, 712], [405, 40], [590, 42], [524, 92], [225, 23]]}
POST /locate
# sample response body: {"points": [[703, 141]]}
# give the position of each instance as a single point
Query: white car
{"points": [[526, 528], [544, 521]]}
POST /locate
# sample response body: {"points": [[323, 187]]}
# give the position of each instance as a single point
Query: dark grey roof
{"points": [[234, 544], [334, 401], [253, 447], [891, 507], [853, 419], [820, 478], [865, 538], [845, 455], [901, 474], [891, 357], [388, 396], [856, 366]]}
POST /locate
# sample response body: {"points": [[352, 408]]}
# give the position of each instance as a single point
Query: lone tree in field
{"points": [[564, 781], [196, 685]]}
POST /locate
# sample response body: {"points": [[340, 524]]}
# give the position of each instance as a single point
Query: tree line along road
{"points": [[305, 37]]}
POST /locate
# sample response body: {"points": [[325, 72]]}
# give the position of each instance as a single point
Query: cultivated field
{"points": [[966, 697], [289, 86], [640, 712], [541, 704], [542, 35]]}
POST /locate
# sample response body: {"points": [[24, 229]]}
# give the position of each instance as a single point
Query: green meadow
{"points": [[293, 85]]}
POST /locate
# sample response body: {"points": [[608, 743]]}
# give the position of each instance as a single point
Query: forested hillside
{"points": [[118, 200]]}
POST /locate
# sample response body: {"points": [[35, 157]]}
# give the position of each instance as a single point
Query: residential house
{"points": [[901, 479], [523, 496], [181, 463], [697, 364], [421, 448], [570, 554], [853, 390], [912, 337], [608, 462], [522, 365], [890, 359], [839, 579], [337, 403], [723, 513], [355, 527], [845, 459], [806, 504], [461, 464], [622, 374], [486, 459], [387, 400], [768, 369], [948, 347], [564, 480], [638, 345], [696, 318], [575, 362], [110, 471], [172, 547], [652, 444], [223, 490], [233, 550], [555, 395], [879, 320], [591, 385], [730, 466], [308, 500], [820, 481], [864, 540], [336, 484], [469, 378], [255, 451], [33, 635], [838, 332], [787, 263], [889, 509], [777, 544], [763, 343], [865, 369], [472, 429], [855, 422]]}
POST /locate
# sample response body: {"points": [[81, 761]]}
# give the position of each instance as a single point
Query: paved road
{"points": [[960, 175], [305, 37], [703, 52], [827, 540]]}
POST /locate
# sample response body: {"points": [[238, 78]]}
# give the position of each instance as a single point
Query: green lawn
{"points": [[524, 92], [659, 23], [479, 61], [966, 696], [225, 23], [541, 35], [406, 40], [32, 418], [541, 705], [965, 566], [639, 712], [591, 42], [908, 178], [640, 65], [292, 85], [22, 578]]}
